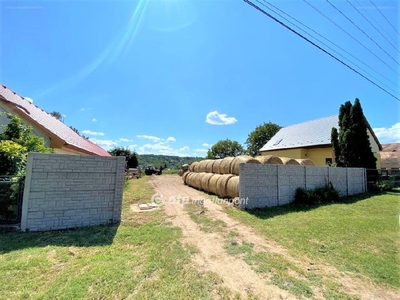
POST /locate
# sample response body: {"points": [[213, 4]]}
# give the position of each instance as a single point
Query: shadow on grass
{"points": [[270, 212], [100, 235]]}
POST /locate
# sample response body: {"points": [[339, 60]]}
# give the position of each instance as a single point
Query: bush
{"points": [[386, 185], [317, 196]]}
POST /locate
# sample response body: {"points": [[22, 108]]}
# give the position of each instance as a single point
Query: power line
{"points": [[348, 1], [321, 41], [321, 13], [320, 48], [384, 17], [344, 50], [361, 30]]}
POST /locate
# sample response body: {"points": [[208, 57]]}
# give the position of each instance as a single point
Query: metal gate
{"points": [[11, 196]]}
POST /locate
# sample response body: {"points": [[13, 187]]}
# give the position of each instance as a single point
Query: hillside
{"points": [[168, 161]]}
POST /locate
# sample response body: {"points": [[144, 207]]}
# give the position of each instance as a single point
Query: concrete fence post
{"points": [[277, 180], [27, 189]]}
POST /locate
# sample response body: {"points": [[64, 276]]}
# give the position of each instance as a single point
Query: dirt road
{"points": [[238, 276]]}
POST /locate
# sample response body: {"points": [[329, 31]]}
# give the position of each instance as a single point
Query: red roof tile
{"points": [[47, 121]]}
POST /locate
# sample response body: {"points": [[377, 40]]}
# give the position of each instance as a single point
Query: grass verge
{"points": [[141, 258], [360, 235]]}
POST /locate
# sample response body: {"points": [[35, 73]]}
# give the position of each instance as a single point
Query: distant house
{"points": [[312, 140], [390, 156], [56, 134]]}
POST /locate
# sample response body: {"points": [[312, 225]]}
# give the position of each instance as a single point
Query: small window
{"points": [[277, 142]]}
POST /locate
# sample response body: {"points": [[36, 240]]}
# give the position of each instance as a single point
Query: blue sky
{"points": [[176, 76]]}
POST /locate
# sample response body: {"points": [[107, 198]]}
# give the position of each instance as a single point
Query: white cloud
{"points": [[149, 137], [206, 145], [94, 120], [171, 139], [161, 148], [216, 118], [388, 135], [132, 147], [105, 144], [82, 109], [125, 140], [64, 116], [185, 148], [92, 132], [201, 150]]}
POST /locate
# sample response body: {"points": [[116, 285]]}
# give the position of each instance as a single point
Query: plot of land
{"points": [[346, 251]]}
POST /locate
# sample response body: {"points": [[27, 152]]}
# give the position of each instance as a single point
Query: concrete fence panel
{"points": [[67, 191], [272, 185]]}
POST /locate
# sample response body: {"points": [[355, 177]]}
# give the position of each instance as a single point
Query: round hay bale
{"points": [[221, 185], [205, 181], [193, 166], [225, 165], [197, 180], [184, 176], [201, 167], [269, 160], [242, 159], [305, 162], [212, 184], [232, 187], [209, 166], [216, 166], [289, 161], [180, 173]]}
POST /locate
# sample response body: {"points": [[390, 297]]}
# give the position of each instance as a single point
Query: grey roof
{"points": [[311, 133]]}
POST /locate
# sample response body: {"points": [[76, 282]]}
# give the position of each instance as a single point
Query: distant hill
{"points": [[168, 161]]}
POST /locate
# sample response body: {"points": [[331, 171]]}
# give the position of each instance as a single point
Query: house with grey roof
{"points": [[312, 140]]}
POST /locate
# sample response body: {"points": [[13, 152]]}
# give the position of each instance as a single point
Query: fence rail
{"points": [[375, 177], [11, 193]]}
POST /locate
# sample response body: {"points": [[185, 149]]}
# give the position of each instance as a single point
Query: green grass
{"points": [[206, 223], [142, 258], [360, 235]]}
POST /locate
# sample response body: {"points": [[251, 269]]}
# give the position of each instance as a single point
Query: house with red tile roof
{"points": [[56, 134]]}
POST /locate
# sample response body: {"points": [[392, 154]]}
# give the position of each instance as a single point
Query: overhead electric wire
{"points": [[384, 17], [320, 48], [337, 9], [321, 13], [395, 47], [344, 50]]}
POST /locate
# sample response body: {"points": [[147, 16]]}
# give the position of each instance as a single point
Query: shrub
{"points": [[386, 185], [317, 196]]}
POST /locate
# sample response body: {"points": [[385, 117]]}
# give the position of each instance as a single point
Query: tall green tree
{"points": [[260, 136], [225, 148], [131, 156], [351, 143]]}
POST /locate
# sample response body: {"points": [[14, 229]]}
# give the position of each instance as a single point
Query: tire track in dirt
{"points": [[237, 275]]}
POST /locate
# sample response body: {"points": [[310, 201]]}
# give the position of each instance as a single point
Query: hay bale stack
{"points": [[216, 166], [193, 166], [209, 166], [222, 184], [234, 169], [232, 187], [269, 160], [187, 178], [305, 162], [226, 165], [212, 184], [289, 161], [201, 167], [204, 184]]}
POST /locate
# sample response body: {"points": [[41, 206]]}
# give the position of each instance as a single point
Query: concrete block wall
{"points": [[273, 185], [67, 191]]}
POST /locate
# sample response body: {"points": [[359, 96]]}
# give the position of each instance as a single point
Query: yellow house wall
{"points": [[291, 153], [318, 155], [378, 159]]}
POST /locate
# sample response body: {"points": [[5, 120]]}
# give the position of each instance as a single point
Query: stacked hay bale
{"points": [[220, 176]]}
